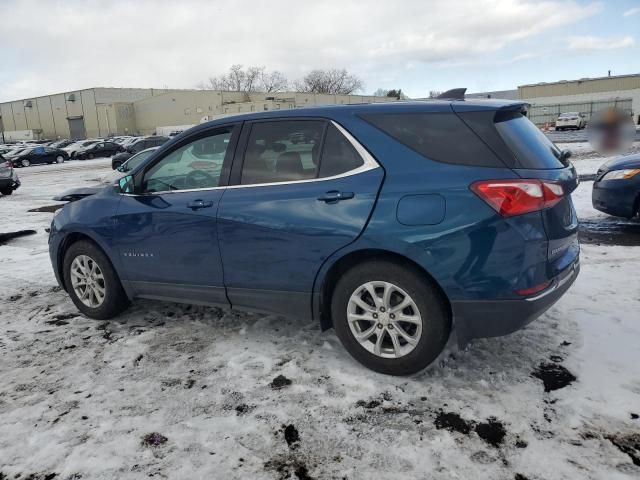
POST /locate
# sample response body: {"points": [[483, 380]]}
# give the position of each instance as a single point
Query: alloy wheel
{"points": [[384, 319], [59, 159], [25, 163], [87, 281]]}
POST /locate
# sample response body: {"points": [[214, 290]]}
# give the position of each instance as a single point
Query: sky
{"points": [[416, 45]]}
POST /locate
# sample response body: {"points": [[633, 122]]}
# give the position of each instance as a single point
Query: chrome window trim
{"points": [[369, 163]]}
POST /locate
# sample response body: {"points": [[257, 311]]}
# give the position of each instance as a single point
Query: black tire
{"points": [[436, 324], [116, 165], [115, 299], [6, 191], [60, 159], [25, 162], [90, 156]]}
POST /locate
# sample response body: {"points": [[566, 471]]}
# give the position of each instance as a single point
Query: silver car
{"points": [[9, 180]]}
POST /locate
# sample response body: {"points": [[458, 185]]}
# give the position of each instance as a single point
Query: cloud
{"points": [[60, 45], [590, 43], [631, 11]]}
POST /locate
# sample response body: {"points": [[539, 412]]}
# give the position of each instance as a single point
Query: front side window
{"points": [[282, 151], [195, 165]]}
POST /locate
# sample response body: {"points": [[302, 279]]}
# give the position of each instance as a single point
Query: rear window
{"points": [[528, 144], [437, 136]]}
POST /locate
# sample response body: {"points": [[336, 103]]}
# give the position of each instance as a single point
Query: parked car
{"points": [[38, 155], [136, 146], [99, 149], [571, 120], [80, 144], [616, 189], [62, 143], [108, 178], [9, 180], [405, 221]]}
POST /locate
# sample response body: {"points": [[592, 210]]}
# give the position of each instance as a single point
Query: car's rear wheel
{"points": [[389, 317], [116, 165], [90, 156], [25, 162], [59, 159], [92, 283], [6, 191]]}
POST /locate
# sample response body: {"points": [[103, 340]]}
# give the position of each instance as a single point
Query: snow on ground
{"points": [[79, 398]]}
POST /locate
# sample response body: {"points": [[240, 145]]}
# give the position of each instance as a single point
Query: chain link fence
{"points": [[541, 114]]}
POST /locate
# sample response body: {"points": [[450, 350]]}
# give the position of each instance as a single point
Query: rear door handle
{"points": [[335, 196], [198, 204]]}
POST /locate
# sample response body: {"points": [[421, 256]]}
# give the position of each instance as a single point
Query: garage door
{"points": [[76, 128]]}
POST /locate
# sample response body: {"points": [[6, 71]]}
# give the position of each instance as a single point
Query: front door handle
{"points": [[198, 204], [335, 196]]}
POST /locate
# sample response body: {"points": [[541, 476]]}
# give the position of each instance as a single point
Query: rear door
{"points": [[290, 206]]}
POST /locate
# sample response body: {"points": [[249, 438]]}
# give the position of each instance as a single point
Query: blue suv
{"points": [[395, 224]]}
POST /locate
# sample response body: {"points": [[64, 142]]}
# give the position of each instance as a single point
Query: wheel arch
{"points": [[353, 258], [74, 237]]}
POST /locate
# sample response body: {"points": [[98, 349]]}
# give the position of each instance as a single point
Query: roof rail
{"points": [[453, 94]]}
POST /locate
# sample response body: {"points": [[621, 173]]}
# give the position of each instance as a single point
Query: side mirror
{"points": [[126, 184]]}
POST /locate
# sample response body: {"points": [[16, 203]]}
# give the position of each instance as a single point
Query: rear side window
{"points": [[282, 151], [528, 144], [338, 155], [438, 136]]}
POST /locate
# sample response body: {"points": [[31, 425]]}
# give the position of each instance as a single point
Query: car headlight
{"points": [[621, 174]]}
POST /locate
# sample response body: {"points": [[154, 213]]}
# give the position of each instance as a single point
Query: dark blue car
{"points": [[392, 223], [616, 189]]}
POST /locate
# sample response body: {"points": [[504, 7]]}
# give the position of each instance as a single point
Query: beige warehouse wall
{"points": [[59, 110], [7, 117], [19, 118], [110, 111], [45, 117], [185, 107], [580, 87], [91, 114], [125, 118]]}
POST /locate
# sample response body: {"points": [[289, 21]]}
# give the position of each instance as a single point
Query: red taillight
{"points": [[515, 197]]}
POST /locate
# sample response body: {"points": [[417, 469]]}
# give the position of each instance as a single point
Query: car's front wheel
{"points": [[6, 191], [92, 283], [25, 162], [59, 159], [389, 317]]}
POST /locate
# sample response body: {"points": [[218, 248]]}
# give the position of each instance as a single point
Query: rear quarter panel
{"points": [[472, 252]]}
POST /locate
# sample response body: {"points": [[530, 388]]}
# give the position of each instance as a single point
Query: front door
{"points": [[303, 191], [166, 234]]}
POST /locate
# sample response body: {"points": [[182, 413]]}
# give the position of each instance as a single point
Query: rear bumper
{"points": [[494, 318], [616, 197], [10, 182]]}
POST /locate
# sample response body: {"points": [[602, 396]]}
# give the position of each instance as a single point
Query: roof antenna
{"points": [[453, 94]]}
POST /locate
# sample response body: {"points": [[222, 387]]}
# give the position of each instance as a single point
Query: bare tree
{"points": [[334, 81], [272, 82], [434, 93], [251, 79], [381, 92]]}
